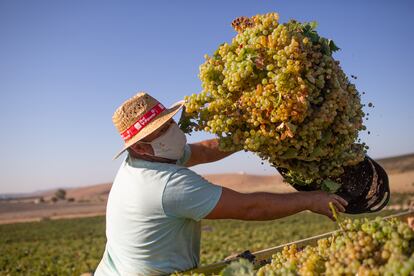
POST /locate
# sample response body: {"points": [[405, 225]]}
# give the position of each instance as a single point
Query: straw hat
{"points": [[140, 116]]}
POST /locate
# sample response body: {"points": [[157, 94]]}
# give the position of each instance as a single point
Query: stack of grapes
{"points": [[276, 90], [376, 247], [363, 247]]}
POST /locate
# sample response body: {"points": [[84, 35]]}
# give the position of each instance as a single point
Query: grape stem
{"points": [[337, 219], [336, 216]]}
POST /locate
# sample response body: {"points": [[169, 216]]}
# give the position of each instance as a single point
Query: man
{"points": [[156, 203]]}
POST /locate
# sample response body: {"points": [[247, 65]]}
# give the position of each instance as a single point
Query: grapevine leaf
{"points": [[313, 24], [332, 46], [289, 153], [313, 36], [185, 123], [330, 186]]}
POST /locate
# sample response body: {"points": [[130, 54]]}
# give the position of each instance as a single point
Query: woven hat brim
{"points": [[152, 126]]}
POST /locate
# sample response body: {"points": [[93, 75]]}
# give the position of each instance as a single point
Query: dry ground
{"points": [[91, 200]]}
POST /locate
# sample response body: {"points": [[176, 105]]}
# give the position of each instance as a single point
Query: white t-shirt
{"points": [[153, 218]]}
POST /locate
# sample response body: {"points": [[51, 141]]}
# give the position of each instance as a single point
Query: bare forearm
{"points": [[208, 151], [267, 206]]}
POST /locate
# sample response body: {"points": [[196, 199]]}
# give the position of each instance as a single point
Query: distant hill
{"points": [[91, 200], [248, 183], [237, 181], [398, 164]]}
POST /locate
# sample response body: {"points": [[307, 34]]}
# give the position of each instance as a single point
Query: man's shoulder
{"points": [[161, 172], [188, 195], [184, 177], [183, 172], [142, 165]]}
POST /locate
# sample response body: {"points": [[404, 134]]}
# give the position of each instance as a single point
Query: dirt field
{"points": [[11, 212], [91, 200], [398, 164]]}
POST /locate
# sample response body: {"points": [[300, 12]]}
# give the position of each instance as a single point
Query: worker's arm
{"points": [[205, 152], [268, 206]]}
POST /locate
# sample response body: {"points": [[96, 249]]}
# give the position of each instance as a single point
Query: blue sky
{"points": [[65, 66]]}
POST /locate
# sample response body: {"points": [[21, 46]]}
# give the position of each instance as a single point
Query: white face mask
{"points": [[170, 144]]}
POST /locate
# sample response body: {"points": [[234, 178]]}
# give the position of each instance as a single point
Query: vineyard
{"points": [[75, 246], [61, 247]]}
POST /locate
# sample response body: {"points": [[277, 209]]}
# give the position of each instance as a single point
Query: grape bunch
{"points": [[276, 90], [364, 247]]}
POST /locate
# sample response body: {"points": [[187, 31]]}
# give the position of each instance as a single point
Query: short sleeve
{"points": [[188, 195], [186, 156]]}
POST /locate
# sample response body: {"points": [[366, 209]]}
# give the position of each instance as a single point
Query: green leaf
{"points": [[330, 186], [314, 37], [185, 123], [332, 46], [313, 24], [289, 153], [306, 28]]}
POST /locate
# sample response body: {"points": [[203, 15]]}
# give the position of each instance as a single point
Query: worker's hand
{"points": [[319, 203]]}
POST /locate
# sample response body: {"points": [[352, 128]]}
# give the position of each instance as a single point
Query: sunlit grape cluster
{"points": [[376, 247], [276, 90], [363, 247]]}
